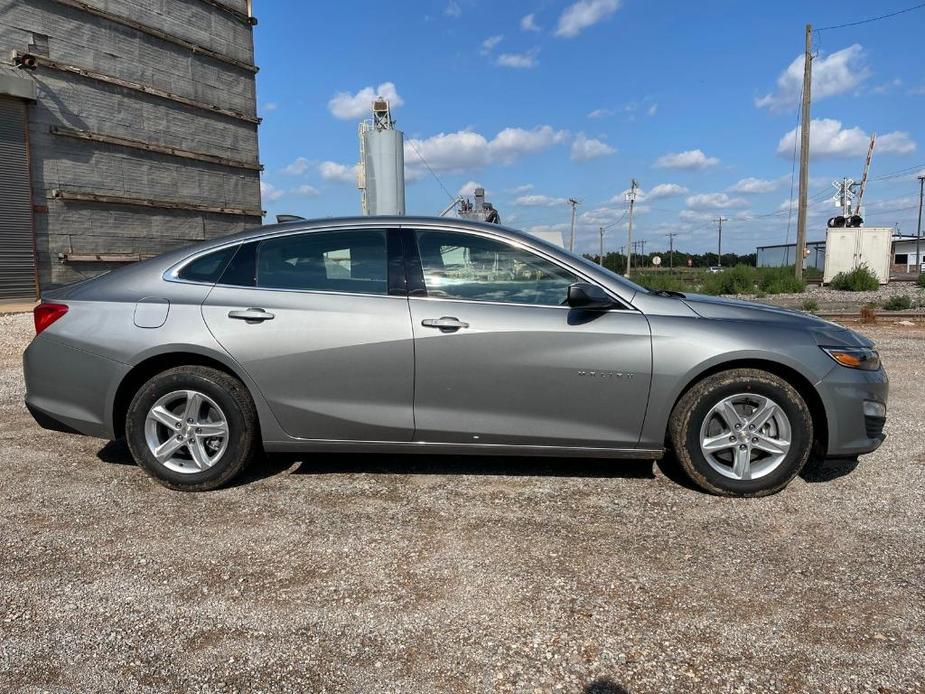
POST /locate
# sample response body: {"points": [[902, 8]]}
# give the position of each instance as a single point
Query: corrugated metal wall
{"points": [[105, 178], [17, 250]]}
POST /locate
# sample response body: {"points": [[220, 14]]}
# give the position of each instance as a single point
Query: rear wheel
{"points": [[742, 432], [193, 428]]}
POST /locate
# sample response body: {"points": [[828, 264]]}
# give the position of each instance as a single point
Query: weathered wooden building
{"points": [[127, 127]]}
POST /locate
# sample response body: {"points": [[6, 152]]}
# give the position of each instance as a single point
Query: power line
{"points": [[872, 19], [436, 177]]}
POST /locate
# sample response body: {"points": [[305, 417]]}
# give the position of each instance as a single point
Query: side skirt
{"points": [[428, 447]]}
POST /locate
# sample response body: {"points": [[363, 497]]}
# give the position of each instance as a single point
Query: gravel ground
{"points": [[410, 574], [835, 300]]}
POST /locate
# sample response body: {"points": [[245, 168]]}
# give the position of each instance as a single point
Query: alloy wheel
{"points": [[186, 431], [745, 436]]}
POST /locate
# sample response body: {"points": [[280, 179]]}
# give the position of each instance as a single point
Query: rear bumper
{"points": [[843, 392], [69, 389]]}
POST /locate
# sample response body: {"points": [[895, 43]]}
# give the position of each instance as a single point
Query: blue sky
{"points": [[543, 100]]}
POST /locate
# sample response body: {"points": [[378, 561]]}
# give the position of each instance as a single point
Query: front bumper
{"points": [[844, 392]]}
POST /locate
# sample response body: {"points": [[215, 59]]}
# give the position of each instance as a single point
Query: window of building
{"points": [[901, 259]]}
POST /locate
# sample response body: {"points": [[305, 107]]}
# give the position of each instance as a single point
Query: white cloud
{"points": [[695, 216], [665, 190], [539, 201], [270, 192], [519, 61], [466, 149], [585, 148], [691, 159], [298, 167], [347, 106], [602, 216], [528, 23], [511, 143], [757, 185], [652, 110], [713, 201], [583, 14], [827, 138], [488, 45], [522, 189], [340, 173], [838, 73], [468, 188], [307, 190], [270, 106], [453, 10], [601, 113]]}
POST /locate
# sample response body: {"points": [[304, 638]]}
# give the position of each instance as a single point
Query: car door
{"points": [[311, 318], [499, 358]]}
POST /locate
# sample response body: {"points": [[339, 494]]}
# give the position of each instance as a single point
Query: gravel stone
{"points": [[436, 574]]}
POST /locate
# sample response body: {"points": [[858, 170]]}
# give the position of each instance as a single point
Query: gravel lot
{"points": [[411, 574], [837, 301]]}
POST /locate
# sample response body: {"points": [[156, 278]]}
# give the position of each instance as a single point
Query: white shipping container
{"points": [[847, 248]]}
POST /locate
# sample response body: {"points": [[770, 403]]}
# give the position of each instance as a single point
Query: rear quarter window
{"points": [[207, 268]]}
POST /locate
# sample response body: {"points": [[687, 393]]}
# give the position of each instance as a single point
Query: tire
{"points": [[218, 403], [734, 460]]}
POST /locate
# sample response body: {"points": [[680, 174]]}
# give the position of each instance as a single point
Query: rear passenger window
{"points": [[334, 261], [207, 268]]}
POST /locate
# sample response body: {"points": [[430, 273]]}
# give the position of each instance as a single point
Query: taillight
{"points": [[46, 314]]}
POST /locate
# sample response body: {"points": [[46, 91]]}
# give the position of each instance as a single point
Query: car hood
{"points": [[825, 332]]}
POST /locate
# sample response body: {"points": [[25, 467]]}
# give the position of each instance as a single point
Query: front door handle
{"points": [[251, 314], [448, 323]]}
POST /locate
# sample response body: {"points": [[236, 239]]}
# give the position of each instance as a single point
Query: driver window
{"points": [[475, 268]]}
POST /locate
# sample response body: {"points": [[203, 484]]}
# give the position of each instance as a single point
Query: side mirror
{"points": [[589, 297]]}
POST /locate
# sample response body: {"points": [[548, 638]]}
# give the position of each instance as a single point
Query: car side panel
{"points": [[683, 348]]}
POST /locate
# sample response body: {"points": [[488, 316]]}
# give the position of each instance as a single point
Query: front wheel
{"points": [[192, 428], [742, 432]]}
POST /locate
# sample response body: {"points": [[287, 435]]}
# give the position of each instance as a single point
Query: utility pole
{"points": [[671, 236], [600, 258], [631, 197], [719, 244], [571, 244], [804, 152], [918, 231]]}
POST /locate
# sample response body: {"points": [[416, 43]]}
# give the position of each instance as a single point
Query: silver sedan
{"points": [[424, 335]]}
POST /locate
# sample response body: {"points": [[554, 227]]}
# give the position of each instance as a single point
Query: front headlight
{"points": [[862, 358]]}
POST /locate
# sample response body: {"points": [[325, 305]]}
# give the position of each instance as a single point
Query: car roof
{"points": [[366, 221]]}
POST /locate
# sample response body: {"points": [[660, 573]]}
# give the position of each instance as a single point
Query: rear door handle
{"points": [[444, 323], [251, 314]]}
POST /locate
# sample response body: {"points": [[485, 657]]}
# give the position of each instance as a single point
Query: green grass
{"points": [[898, 303], [921, 280], [861, 279], [810, 305], [779, 280], [661, 280]]}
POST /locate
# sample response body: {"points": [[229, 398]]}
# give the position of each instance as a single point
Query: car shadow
{"points": [[816, 470], [604, 685], [825, 470]]}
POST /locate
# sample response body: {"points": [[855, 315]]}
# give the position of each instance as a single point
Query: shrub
{"points": [[921, 280], [779, 280], [810, 305], [660, 280], [740, 279], [861, 279], [868, 314], [898, 303]]}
